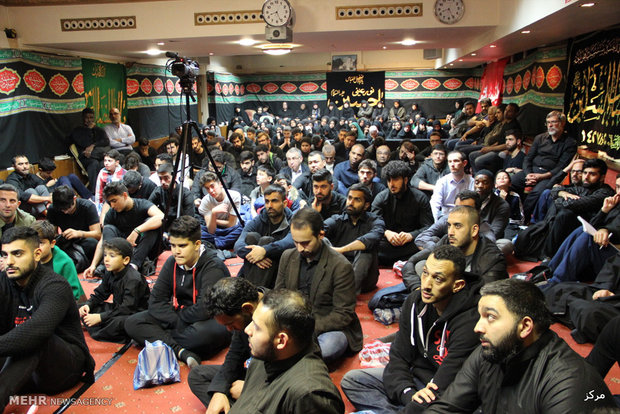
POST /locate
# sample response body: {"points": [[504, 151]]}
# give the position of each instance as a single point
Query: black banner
{"points": [[355, 87], [592, 100]]}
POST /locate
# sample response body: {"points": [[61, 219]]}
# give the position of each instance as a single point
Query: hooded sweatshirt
{"points": [[432, 347]]}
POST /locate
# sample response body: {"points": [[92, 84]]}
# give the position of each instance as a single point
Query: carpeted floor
{"points": [[113, 391]]}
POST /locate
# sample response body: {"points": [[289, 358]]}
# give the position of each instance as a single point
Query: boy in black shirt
{"points": [[106, 321]]}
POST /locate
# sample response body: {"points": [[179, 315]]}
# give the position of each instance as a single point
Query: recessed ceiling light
{"points": [[384, 47], [408, 42], [473, 54], [247, 42], [153, 52], [525, 31], [492, 46], [460, 60], [160, 43], [277, 49], [587, 5], [211, 53], [451, 64], [277, 52]]}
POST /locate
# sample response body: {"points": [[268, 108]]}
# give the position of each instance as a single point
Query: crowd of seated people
{"points": [[314, 203]]}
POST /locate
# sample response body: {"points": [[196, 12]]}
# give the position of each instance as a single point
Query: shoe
{"points": [[148, 268], [191, 359]]}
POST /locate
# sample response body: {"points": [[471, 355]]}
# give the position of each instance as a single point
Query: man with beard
{"points": [[367, 172], [550, 153], [327, 279], [42, 347], [285, 375], [344, 145], [346, 171], [231, 302], [91, 142], [406, 213], [521, 366], [444, 310], [356, 234], [10, 213], [406, 152], [325, 200], [247, 172], [571, 202], [265, 238], [33, 193], [121, 135], [316, 162], [330, 157]]}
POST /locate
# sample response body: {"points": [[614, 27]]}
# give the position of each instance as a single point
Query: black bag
{"points": [[530, 242]]}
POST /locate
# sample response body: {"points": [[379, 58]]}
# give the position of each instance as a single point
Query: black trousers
{"points": [[205, 338], [111, 330], [606, 351], [55, 367], [389, 254], [256, 275], [564, 224], [199, 380], [145, 243], [529, 203]]}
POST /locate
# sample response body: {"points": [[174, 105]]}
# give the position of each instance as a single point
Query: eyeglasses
{"points": [[577, 171]]}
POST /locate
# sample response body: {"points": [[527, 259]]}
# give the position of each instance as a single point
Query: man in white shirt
{"points": [[121, 135], [448, 186]]}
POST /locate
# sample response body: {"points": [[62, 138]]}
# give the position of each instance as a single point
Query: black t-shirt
{"points": [[126, 221], [85, 215]]}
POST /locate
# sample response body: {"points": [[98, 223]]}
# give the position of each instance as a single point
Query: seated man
{"points": [[366, 173], [581, 256], [92, 143], [521, 361], [356, 234], [134, 219], [121, 135], [161, 198], [231, 177], [78, 222], [222, 227], [575, 172], [571, 202], [231, 302], [267, 158], [327, 279], [265, 238], [177, 313], [295, 166], [34, 195], [448, 186], [47, 166], [247, 172], [138, 186], [330, 157], [549, 154], [483, 256], [346, 171], [404, 210], [285, 375], [316, 162], [10, 214], [495, 210], [419, 372], [324, 199], [431, 170], [41, 341]]}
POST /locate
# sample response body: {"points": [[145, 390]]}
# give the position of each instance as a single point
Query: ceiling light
{"points": [[154, 52], [277, 49], [384, 47], [460, 60], [492, 46], [587, 5], [473, 54], [408, 42], [247, 42], [277, 52], [211, 53], [160, 43], [451, 64], [525, 31]]}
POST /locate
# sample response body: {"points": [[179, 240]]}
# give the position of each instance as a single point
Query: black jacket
{"points": [[408, 211], [438, 351], [591, 199], [208, 270], [545, 378], [496, 212]]}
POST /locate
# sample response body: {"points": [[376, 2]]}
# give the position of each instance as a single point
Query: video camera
{"points": [[185, 69]]}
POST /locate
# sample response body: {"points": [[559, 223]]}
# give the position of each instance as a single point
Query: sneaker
{"points": [[191, 359], [148, 268]]}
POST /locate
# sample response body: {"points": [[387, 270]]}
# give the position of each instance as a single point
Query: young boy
{"points": [[264, 178], [57, 260], [106, 321]]}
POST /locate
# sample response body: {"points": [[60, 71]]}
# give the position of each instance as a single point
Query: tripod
{"points": [[187, 82]]}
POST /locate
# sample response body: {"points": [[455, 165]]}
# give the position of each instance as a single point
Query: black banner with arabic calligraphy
{"points": [[592, 100], [355, 87]]}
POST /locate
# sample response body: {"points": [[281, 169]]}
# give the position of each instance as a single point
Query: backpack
{"points": [[530, 243]]}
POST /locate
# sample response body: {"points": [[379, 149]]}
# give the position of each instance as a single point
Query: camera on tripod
{"points": [[185, 69]]}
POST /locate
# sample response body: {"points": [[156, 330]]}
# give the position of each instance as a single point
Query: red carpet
{"points": [[115, 387]]}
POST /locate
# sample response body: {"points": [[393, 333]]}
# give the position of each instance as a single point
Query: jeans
{"points": [[333, 344]]}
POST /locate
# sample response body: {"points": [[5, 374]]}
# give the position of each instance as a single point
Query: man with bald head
{"points": [[121, 135], [346, 171]]}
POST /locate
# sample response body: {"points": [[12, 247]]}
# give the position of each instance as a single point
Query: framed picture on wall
{"points": [[344, 63]]}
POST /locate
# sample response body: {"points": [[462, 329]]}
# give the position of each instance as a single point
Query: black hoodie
{"points": [[188, 308], [437, 351]]}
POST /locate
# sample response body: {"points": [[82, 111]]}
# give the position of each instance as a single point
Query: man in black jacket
{"points": [[42, 347], [162, 200], [177, 314], [405, 211], [521, 366], [435, 337], [232, 302], [356, 234]]}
